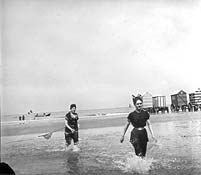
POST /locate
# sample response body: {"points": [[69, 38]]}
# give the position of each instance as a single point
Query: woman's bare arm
{"points": [[150, 129], [124, 132], [66, 123]]}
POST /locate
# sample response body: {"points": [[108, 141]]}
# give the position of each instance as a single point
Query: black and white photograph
{"points": [[100, 87]]}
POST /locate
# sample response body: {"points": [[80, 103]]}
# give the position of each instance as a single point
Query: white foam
{"points": [[136, 164], [56, 150]]}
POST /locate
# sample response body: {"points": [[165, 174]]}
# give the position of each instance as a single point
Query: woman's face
{"points": [[73, 109], [138, 104]]}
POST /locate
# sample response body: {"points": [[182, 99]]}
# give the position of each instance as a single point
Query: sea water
{"points": [[102, 153]]}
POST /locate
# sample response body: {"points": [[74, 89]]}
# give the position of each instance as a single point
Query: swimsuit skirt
{"points": [[139, 136]]}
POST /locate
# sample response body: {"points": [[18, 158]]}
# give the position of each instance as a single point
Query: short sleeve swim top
{"points": [[138, 119], [72, 120]]}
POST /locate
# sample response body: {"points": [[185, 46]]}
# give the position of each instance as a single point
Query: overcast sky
{"points": [[97, 53]]}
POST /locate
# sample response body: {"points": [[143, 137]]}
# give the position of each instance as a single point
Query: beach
{"points": [[101, 152]]}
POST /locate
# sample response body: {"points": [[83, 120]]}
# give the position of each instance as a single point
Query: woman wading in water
{"points": [[139, 119]]}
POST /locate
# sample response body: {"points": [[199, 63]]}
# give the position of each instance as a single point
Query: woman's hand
{"points": [[122, 139], [72, 130]]}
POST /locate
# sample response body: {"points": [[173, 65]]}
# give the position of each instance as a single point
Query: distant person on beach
{"points": [[20, 118], [23, 119], [71, 127], [139, 119]]}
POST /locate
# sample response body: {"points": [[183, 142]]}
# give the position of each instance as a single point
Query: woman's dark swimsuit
{"points": [[138, 137], [73, 123]]}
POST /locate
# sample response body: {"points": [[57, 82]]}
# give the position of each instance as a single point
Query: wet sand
{"points": [[43, 126]]}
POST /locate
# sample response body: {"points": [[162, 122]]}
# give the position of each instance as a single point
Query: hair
{"points": [[136, 98], [72, 106]]}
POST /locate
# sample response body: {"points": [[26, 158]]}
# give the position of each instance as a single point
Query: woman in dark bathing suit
{"points": [[139, 119]]}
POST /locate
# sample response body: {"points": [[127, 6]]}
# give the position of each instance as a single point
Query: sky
{"points": [[97, 53]]}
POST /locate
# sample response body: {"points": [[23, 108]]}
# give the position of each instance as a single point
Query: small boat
{"points": [[42, 115]]}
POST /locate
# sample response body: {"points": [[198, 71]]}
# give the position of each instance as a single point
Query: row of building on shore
{"points": [[179, 102]]}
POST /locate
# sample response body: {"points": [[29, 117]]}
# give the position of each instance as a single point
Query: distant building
{"points": [[195, 98], [154, 104], [179, 99], [147, 100], [159, 101], [159, 104]]}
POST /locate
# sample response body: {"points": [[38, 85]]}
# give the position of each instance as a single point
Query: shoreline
{"points": [[82, 113], [112, 115], [45, 126]]}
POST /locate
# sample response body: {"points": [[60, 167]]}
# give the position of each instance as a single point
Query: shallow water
{"points": [[177, 152], [61, 114]]}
